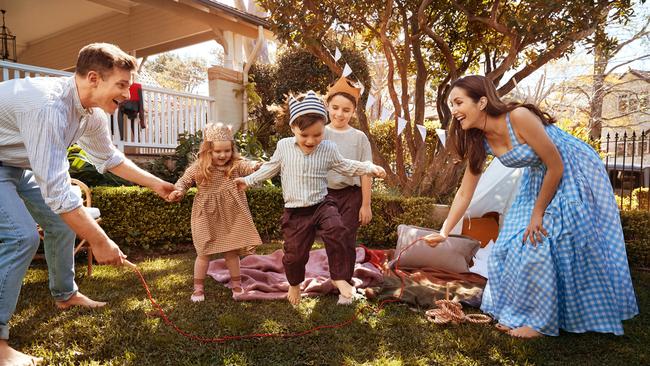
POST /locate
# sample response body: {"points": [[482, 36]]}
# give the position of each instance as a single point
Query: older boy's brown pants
{"points": [[348, 200], [299, 228]]}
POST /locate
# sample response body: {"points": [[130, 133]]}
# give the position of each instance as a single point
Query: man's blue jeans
{"points": [[21, 207]]}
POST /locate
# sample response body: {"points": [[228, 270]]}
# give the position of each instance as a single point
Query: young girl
{"points": [[559, 261], [351, 194], [221, 220]]}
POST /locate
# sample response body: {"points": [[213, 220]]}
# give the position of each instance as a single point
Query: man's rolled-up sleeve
{"points": [[96, 142]]}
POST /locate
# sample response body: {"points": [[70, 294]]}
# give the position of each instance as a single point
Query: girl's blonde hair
{"points": [[214, 132]]}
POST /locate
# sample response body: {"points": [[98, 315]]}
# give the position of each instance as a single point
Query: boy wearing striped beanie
{"points": [[303, 162]]}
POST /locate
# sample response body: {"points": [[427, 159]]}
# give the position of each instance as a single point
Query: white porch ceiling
{"points": [[33, 20]]}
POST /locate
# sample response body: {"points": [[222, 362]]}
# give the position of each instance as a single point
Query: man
{"points": [[39, 119]]}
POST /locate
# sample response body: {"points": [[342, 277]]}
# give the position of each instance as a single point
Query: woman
{"points": [[560, 260]]}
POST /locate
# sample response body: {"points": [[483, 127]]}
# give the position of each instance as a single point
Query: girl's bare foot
{"points": [[79, 299], [502, 328], [11, 357], [198, 294], [525, 332], [293, 295]]}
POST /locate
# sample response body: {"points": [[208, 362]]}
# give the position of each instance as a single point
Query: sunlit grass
{"points": [[129, 332]]}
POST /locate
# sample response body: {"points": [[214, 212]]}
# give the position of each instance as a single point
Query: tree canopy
{"points": [[427, 44]]}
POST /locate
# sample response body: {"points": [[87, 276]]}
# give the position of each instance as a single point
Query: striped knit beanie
{"points": [[311, 103]]}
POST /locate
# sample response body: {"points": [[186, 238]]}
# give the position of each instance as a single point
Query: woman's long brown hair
{"points": [[469, 144]]}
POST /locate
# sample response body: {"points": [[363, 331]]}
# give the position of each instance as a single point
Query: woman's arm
{"points": [[458, 207]]}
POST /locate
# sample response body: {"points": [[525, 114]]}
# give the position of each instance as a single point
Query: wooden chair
{"points": [[84, 192], [94, 213]]}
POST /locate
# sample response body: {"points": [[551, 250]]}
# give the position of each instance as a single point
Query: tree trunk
{"points": [[598, 92]]}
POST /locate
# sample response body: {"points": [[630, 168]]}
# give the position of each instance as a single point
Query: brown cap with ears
{"points": [[344, 85]]}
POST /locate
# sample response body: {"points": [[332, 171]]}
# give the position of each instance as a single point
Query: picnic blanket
{"points": [[263, 276], [423, 286]]}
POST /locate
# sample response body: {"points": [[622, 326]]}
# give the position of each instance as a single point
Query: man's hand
{"points": [[107, 252], [164, 189], [241, 184]]}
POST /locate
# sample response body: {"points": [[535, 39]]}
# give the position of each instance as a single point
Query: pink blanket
{"points": [[263, 275]]}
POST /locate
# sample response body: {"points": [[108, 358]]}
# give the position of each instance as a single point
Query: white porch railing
{"points": [[168, 113]]}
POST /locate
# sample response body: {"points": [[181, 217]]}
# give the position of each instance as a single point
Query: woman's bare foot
{"points": [[525, 332], [293, 295], [79, 299], [502, 328], [11, 357]]}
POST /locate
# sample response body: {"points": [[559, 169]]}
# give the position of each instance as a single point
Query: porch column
{"points": [[226, 86], [229, 51]]}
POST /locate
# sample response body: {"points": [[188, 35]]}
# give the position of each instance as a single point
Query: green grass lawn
{"points": [[125, 332]]}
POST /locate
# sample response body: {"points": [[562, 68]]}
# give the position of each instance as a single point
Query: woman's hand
{"points": [[535, 229], [434, 239]]}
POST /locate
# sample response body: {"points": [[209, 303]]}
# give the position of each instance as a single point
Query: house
{"points": [[50, 33]]}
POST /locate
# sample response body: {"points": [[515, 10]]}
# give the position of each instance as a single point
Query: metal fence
{"points": [[627, 160]]}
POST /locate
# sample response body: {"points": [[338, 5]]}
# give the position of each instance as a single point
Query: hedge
{"points": [[137, 217]]}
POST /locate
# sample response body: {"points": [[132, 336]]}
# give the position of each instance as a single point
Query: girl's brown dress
{"points": [[221, 220]]}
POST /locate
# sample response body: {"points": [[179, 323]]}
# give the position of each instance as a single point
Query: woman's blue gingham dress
{"points": [[578, 279]]}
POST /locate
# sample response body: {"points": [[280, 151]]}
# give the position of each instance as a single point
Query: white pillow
{"points": [[454, 254], [481, 260]]}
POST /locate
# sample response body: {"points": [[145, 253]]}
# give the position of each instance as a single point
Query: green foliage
{"points": [[578, 131], [636, 229], [178, 73], [638, 200], [296, 71], [427, 45], [137, 217], [81, 168], [171, 168]]}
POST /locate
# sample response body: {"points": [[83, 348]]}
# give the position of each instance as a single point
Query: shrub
{"points": [[137, 217], [636, 229]]}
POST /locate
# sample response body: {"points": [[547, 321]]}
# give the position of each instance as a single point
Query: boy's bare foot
{"points": [[293, 295], [345, 289], [197, 296], [525, 332], [502, 328], [79, 299], [11, 357]]}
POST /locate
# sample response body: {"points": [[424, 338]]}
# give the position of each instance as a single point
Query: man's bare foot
{"points": [[345, 289], [502, 328], [79, 299], [293, 295], [525, 332], [11, 357]]}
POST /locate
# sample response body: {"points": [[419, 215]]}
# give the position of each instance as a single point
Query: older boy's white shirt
{"points": [[304, 176], [352, 144], [39, 119]]}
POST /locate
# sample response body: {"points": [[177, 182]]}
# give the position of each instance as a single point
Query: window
{"points": [[633, 102]]}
